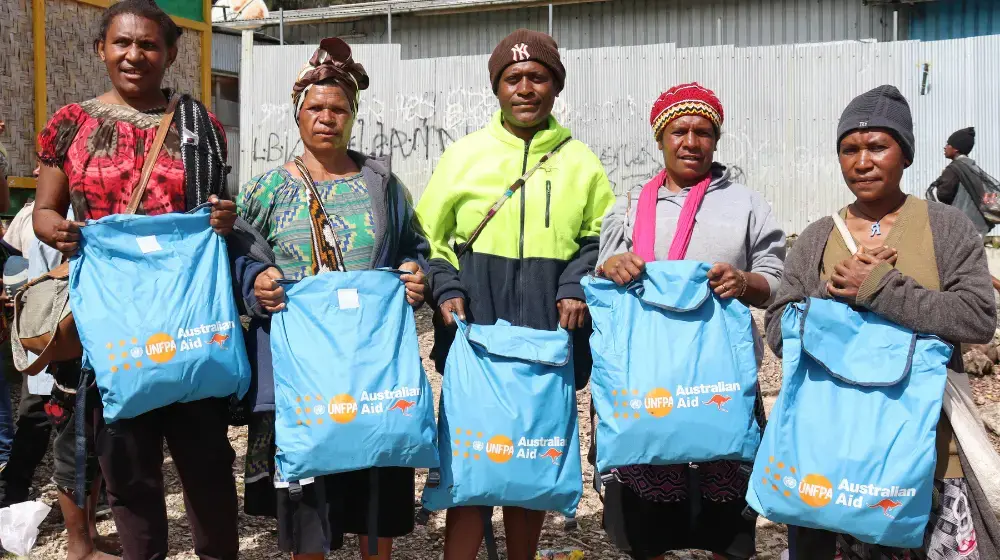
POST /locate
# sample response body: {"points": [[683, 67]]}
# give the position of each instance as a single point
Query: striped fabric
{"points": [[276, 204], [683, 108]]}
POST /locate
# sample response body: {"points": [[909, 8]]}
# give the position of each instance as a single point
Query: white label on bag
{"points": [[348, 298], [148, 244]]}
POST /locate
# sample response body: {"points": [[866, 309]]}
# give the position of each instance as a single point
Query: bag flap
{"points": [[859, 348], [549, 348], [675, 285]]}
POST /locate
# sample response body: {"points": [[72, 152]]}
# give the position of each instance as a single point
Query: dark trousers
{"points": [[31, 442], [811, 544], [131, 457]]}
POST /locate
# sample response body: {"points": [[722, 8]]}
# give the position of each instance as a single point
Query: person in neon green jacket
{"points": [[525, 267]]}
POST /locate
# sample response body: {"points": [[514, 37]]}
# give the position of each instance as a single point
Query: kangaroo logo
{"points": [[887, 506], [719, 401], [520, 52], [402, 406], [220, 339], [553, 454]]}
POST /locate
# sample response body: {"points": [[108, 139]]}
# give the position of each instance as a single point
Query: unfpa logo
{"points": [[659, 402], [120, 357], [630, 404], [343, 408], [161, 348], [470, 441], [816, 490], [500, 449]]}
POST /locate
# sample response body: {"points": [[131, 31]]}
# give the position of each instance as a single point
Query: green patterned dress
{"points": [[276, 205]]}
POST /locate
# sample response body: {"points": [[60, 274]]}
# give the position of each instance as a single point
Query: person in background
{"points": [[921, 265], [526, 266], [374, 226], [31, 437], [7, 427], [92, 155], [962, 183], [20, 234], [649, 510]]}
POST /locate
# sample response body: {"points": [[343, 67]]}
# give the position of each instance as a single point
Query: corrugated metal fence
{"points": [[589, 24], [782, 106]]}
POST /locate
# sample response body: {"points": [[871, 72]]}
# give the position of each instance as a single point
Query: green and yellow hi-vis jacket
{"points": [[543, 240]]}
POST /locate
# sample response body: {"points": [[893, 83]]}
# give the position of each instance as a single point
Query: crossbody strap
{"points": [[845, 233], [326, 244], [152, 155], [506, 196]]}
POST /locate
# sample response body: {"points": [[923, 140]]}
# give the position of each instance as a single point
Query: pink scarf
{"points": [[644, 233]]}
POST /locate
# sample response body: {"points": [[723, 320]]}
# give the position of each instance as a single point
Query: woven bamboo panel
{"points": [[17, 85], [185, 75], [74, 72]]}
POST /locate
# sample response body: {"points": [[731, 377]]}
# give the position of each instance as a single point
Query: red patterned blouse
{"points": [[102, 148]]}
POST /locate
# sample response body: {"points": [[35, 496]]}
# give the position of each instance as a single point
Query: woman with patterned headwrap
{"points": [[701, 214], [366, 221]]}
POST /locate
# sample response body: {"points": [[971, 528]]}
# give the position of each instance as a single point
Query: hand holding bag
{"points": [[43, 322]]}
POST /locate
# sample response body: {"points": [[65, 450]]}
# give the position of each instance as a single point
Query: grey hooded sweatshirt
{"points": [[734, 225]]}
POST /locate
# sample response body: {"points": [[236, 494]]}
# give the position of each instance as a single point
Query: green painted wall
{"points": [[190, 9]]}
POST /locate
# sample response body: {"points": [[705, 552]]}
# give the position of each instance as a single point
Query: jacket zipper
{"points": [[548, 201], [520, 247]]}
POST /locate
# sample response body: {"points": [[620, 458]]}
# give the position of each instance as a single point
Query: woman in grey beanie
{"points": [[921, 266]]}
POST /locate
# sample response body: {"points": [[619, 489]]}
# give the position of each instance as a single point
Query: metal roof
{"points": [[351, 12]]}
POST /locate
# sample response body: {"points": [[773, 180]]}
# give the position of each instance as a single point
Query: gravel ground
{"points": [[258, 536]]}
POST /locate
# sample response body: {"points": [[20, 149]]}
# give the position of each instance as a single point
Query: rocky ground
{"points": [[258, 536]]}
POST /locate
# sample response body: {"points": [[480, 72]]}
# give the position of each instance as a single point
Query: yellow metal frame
{"points": [[41, 94], [21, 182], [38, 32]]}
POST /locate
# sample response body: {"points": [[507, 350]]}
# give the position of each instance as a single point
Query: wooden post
{"points": [[38, 40], [206, 55]]}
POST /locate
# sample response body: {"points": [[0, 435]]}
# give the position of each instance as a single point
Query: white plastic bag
{"points": [[19, 526]]}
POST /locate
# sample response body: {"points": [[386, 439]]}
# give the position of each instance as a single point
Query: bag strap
{"points": [[506, 196], [644, 229], [325, 243], [152, 155], [845, 233]]}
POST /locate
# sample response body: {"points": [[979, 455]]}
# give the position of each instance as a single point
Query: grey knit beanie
{"points": [[882, 107]]}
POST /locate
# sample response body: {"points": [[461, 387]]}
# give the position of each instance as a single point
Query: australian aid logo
{"points": [[660, 402], [344, 408], [499, 448], [818, 491], [161, 348]]}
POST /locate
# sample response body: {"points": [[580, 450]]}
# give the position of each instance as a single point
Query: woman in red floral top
{"points": [[92, 155]]}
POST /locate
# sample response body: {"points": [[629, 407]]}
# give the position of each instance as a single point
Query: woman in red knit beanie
{"points": [[701, 214]]}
